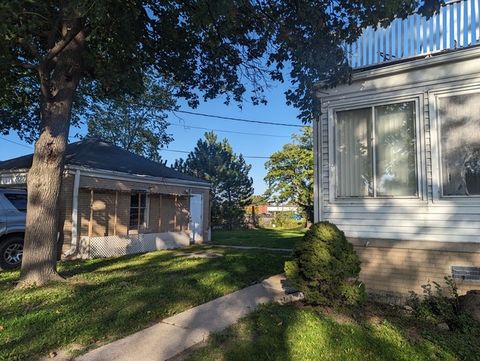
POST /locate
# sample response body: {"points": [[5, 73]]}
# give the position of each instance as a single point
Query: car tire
{"points": [[11, 252]]}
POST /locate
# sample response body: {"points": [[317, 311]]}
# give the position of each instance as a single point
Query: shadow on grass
{"points": [[107, 299], [293, 333]]}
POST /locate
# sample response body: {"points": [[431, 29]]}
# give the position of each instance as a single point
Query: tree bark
{"points": [[309, 216], [59, 77]]}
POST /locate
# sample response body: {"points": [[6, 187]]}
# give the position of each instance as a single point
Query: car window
{"points": [[18, 200]]}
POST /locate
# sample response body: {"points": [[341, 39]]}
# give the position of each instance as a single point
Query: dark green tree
{"points": [[215, 162], [290, 173], [54, 54], [137, 126]]}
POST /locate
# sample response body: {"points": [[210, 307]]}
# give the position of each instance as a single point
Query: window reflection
{"points": [[460, 141]]}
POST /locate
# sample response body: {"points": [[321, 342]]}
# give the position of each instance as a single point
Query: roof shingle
{"points": [[96, 154]]}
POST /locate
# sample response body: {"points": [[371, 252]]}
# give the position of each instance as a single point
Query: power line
{"points": [[187, 152], [230, 131], [237, 119], [206, 115], [17, 143], [167, 150]]}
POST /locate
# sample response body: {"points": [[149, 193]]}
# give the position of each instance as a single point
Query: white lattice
{"points": [[111, 246]]}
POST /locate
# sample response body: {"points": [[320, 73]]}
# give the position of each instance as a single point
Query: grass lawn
{"points": [[293, 332], [105, 299], [273, 238]]}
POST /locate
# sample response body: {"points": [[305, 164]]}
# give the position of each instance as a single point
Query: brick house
{"points": [[114, 202]]}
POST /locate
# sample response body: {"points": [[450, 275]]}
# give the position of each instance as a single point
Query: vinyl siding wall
{"points": [[391, 234], [429, 217]]}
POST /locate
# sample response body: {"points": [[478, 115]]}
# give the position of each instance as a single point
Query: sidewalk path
{"points": [[177, 333]]}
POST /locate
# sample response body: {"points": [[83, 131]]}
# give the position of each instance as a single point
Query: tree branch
{"points": [[34, 13], [57, 49], [44, 82], [24, 65], [30, 46]]}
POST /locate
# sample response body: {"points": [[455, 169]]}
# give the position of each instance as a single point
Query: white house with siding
{"points": [[397, 162]]}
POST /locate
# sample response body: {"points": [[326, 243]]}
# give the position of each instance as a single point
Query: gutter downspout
{"points": [[76, 187]]}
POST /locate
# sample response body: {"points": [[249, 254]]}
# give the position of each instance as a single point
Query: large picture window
{"points": [[137, 210], [375, 151], [460, 144]]}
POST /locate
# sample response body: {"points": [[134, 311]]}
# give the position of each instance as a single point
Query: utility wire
{"points": [[205, 114], [187, 152], [161, 150], [230, 131], [17, 143], [237, 119]]}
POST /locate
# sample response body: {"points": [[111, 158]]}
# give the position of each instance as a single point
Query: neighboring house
{"points": [[397, 163], [278, 209], [114, 202], [270, 209]]}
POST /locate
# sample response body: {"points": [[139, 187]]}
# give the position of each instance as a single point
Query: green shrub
{"points": [[440, 304], [325, 267], [286, 220]]}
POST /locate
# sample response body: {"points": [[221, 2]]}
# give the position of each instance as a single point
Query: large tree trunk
{"points": [[59, 78]]}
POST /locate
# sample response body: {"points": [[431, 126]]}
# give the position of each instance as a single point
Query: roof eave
{"points": [[139, 177], [408, 64]]}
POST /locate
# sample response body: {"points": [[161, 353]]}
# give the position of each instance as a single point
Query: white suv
{"points": [[13, 210]]}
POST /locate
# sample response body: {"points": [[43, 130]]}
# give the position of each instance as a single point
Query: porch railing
{"points": [[456, 25]]}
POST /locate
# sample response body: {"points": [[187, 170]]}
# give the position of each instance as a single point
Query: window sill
{"points": [[381, 201], [474, 196], [461, 200]]}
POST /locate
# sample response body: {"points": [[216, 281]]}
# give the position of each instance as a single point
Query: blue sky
{"points": [[185, 139]]}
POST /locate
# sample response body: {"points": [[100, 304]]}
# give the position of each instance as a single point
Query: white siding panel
{"points": [[450, 220], [410, 229], [413, 210], [399, 234], [428, 218]]}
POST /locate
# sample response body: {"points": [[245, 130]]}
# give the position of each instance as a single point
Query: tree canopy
{"points": [[227, 172], [290, 173], [137, 126], [201, 47]]}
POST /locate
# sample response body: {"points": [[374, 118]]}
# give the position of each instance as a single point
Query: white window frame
{"points": [[436, 125], [419, 137]]}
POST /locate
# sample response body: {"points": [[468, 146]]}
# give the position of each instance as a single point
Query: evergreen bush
{"points": [[325, 267]]}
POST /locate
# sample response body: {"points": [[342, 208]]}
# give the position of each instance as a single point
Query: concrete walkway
{"points": [[253, 247], [178, 333]]}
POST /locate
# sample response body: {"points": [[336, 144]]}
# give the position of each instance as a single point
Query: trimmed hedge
{"points": [[325, 267]]}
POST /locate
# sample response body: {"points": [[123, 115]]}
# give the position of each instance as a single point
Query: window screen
{"points": [[460, 144], [375, 151], [395, 149], [354, 160], [137, 210]]}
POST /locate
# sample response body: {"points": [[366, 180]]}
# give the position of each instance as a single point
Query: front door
{"points": [[196, 218]]}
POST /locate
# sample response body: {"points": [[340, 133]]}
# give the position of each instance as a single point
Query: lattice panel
{"points": [[111, 246]]}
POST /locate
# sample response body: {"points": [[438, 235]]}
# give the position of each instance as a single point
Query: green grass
{"points": [[262, 237], [105, 299], [294, 333]]}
